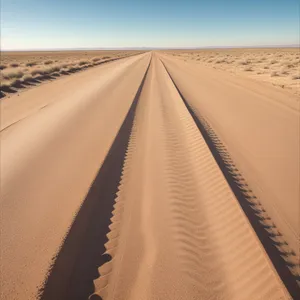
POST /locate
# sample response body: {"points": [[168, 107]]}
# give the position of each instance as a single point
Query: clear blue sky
{"points": [[50, 24]]}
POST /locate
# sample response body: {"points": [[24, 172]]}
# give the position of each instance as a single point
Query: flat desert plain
{"points": [[156, 175], [277, 66]]}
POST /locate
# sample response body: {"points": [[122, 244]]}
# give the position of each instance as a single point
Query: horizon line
{"points": [[151, 48]]}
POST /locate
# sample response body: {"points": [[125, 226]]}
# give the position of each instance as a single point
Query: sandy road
{"points": [[177, 230], [260, 126], [60, 136]]}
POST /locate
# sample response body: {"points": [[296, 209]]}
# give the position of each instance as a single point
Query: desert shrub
{"points": [[31, 64], [274, 74], [51, 70], [266, 67], [106, 57], [63, 66], [26, 77], [48, 62], [284, 71], [73, 69], [14, 65], [96, 59], [244, 62], [220, 60], [248, 69], [2, 67], [82, 63], [15, 81], [294, 77], [12, 75], [37, 72], [273, 61], [4, 84]]}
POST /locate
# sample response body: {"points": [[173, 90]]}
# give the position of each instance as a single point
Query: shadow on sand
{"points": [[77, 263]]}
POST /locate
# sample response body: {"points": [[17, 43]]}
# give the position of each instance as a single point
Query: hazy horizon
{"points": [[69, 25], [152, 48]]}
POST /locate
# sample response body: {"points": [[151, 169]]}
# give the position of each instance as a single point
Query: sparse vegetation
{"points": [[278, 66], [31, 64], [14, 65], [83, 62], [274, 74], [244, 62], [27, 77], [36, 72], [12, 74], [21, 67]]}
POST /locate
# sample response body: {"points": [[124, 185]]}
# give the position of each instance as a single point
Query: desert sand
{"points": [[279, 67], [110, 188]]}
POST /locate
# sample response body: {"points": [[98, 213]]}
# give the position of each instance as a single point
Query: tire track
{"points": [[178, 231], [282, 257], [76, 264]]}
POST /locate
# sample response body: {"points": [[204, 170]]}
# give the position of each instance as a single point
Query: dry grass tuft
{"points": [[48, 62], [83, 62], [274, 74], [4, 84], [248, 69], [284, 71], [52, 69], [12, 74], [14, 65], [294, 77], [221, 60], [31, 64], [37, 72], [26, 77], [244, 62]]}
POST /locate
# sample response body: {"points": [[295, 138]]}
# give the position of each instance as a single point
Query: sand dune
{"points": [[114, 159]]}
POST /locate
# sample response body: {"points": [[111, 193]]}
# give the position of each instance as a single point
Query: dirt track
{"points": [[179, 230]]}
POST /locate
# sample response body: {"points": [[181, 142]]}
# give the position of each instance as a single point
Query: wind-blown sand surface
{"points": [[122, 138]]}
